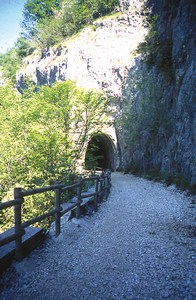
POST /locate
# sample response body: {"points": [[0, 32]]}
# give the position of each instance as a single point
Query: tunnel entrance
{"points": [[100, 152]]}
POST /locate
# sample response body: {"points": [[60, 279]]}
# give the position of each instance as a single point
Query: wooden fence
{"points": [[102, 184]]}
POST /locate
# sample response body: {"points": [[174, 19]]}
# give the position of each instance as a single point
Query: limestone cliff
{"points": [[99, 57], [163, 136], [156, 107]]}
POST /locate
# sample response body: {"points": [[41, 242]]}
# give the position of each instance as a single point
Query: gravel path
{"points": [[139, 245]]}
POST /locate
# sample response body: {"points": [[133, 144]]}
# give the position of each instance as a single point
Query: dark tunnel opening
{"points": [[100, 153]]}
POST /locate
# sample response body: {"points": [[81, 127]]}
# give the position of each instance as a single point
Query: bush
{"points": [[10, 62], [156, 51], [23, 47], [72, 17]]}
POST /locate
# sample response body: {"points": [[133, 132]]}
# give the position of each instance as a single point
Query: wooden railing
{"points": [[102, 184]]}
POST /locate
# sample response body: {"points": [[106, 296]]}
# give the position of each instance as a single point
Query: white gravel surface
{"points": [[139, 245]]}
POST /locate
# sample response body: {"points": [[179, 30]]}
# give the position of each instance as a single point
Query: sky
{"points": [[10, 18]]}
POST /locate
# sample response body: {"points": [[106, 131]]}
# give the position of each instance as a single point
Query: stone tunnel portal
{"points": [[100, 152]]}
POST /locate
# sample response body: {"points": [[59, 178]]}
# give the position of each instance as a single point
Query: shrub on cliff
{"points": [[60, 19], [156, 51]]}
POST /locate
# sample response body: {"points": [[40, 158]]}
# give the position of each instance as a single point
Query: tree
{"points": [[36, 11], [23, 47], [42, 136], [9, 62], [61, 19]]}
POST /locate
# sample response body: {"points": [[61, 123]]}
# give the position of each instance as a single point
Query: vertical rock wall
{"points": [[167, 142]]}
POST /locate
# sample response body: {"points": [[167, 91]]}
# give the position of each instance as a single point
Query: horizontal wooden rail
{"points": [[69, 187], [10, 203], [40, 218], [101, 184], [41, 190]]}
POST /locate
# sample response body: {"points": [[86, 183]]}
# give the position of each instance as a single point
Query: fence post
{"points": [[18, 219], [79, 192], [105, 187], [109, 182], [101, 188], [96, 191], [57, 197]]}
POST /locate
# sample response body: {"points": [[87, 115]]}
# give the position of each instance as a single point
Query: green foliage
{"points": [[180, 181], [70, 17], [89, 114], [23, 47], [192, 189], [93, 156], [156, 50], [49, 32], [10, 62], [146, 48], [28, 87], [8, 142], [42, 136], [89, 10], [36, 11], [154, 174], [47, 22], [47, 120]]}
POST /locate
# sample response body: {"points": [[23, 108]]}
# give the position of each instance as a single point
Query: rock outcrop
{"points": [[103, 57], [99, 57], [167, 144]]}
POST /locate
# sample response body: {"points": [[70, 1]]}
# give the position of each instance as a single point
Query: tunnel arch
{"points": [[100, 152]]}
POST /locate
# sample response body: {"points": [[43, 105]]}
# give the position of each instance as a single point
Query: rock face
{"points": [[168, 142], [156, 110], [98, 57]]}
